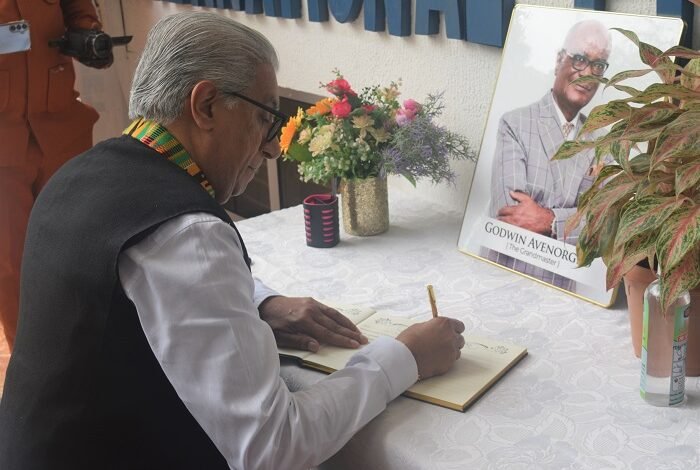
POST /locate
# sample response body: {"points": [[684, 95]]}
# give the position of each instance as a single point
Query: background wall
{"points": [[308, 53]]}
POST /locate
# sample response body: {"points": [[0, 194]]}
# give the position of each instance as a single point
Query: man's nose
{"points": [[271, 149]]}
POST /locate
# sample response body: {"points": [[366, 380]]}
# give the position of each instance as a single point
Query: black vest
{"points": [[83, 388]]}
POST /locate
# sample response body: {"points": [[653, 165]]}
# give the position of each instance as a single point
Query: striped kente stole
{"points": [[159, 139]]}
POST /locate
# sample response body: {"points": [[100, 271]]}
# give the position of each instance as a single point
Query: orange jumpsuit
{"points": [[42, 125]]}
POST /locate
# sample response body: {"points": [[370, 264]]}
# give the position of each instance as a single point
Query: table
{"points": [[572, 403]]}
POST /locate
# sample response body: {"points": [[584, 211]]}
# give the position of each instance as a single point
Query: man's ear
{"points": [[560, 59], [201, 103]]}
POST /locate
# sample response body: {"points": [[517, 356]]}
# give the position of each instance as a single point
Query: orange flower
{"points": [[288, 132], [321, 107]]}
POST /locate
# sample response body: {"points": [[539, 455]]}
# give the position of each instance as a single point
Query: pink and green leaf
{"points": [[604, 115], [682, 52], [640, 163], [572, 147], [627, 89], [606, 173], [618, 189], [626, 74], [649, 54], [688, 176], [657, 91], [684, 276], [620, 151], [625, 258], [690, 77], [645, 214], [680, 138], [679, 236]]}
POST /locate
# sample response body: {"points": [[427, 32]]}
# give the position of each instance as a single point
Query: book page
{"points": [[331, 358], [354, 313], [482, 363]]}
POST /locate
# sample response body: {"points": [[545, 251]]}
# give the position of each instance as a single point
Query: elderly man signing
{"points": [[528, 189], [144, 342]]}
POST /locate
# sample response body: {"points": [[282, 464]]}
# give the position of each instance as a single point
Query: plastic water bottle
{"points": [[664, 346]]}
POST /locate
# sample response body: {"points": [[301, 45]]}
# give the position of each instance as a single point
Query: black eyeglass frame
{"points": [[586, 61], [277, 122]]}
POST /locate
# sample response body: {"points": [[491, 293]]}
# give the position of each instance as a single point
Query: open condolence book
{"points": [[482, 363]]}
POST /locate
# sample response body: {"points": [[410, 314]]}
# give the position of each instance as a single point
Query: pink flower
{"points": [[342, 108], [340, 87], [408, 112], [412, 106], [401, 118], [369, 107]]}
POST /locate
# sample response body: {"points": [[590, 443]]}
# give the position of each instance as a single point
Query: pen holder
{"points": [[321, 220]]}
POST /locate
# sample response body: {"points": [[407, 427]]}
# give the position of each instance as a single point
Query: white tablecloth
{"points": [[572, 403]]}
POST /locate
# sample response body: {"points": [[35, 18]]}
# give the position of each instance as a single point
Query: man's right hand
{"points": [[436, 344]]}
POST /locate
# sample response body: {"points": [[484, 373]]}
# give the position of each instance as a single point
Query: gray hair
{"points": [[588, 32], [188, 47]]}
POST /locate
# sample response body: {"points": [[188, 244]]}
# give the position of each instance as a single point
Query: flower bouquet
{"points": [[362, 137], [370, 134]]}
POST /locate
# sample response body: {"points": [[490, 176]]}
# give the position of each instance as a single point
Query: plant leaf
{"points": [[299, 152], [627, 89], [627, 257], [619, 189], [647, 122], [657, 91], [680, 51], [649, 54], [625, 74], [683, 277], [604, 115], [572, 147], [687, 176], [640, 163], [410, 178], [620, 151], [645, 214], [679, 235], [678, 139], [690, 77]]}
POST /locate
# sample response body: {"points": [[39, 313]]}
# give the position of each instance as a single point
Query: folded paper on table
{"points": [[482, 363]]}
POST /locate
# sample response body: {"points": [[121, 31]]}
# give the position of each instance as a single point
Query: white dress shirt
{"points": [[197, 304]]}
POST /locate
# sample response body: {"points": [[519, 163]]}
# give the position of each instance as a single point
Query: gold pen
{"points": [[431, 299]]}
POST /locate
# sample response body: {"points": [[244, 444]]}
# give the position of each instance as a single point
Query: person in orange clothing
{"points": [[42, 122]]}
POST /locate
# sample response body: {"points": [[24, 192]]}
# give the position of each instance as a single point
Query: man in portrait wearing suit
{"points": [[528, 189]]}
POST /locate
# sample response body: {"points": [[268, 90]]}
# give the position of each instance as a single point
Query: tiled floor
{"points": [[4, 358]]}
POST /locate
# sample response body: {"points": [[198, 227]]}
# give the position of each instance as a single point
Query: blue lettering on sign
{"points": [[428, 17], [318, 10], [478, 21], [345, 10], [399, 16]]}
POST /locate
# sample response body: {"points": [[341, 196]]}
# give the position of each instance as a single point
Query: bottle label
{"points": [[680, 349]]}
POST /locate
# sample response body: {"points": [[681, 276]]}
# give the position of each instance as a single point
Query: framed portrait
{"points": [[520, 199]]}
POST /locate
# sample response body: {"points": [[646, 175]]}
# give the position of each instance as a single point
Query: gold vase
{"points": [[365, 203]]}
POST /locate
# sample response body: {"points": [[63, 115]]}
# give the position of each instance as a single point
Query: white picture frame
{"points": [[518, 130]]}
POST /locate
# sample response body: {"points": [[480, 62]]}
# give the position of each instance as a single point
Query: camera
{"points": [[91, 47]]}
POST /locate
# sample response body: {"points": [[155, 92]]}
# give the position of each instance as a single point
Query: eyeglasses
{"points": [[580, 62], [278, 119]]}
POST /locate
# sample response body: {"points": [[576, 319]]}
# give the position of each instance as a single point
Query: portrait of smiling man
{"points": [[528, 189], [144, 341]]}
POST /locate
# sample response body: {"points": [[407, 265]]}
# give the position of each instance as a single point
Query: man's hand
{"points": [[527, 214], [436, 344], [303, 323]]}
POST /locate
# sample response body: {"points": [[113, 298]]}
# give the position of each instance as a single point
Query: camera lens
{"points": [[101, 46]]}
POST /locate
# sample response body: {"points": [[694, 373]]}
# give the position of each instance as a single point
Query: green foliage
{"points": [[646, 206]]}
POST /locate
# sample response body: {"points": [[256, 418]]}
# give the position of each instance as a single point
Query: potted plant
{"points": [[645, 203], [362, 137]]}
